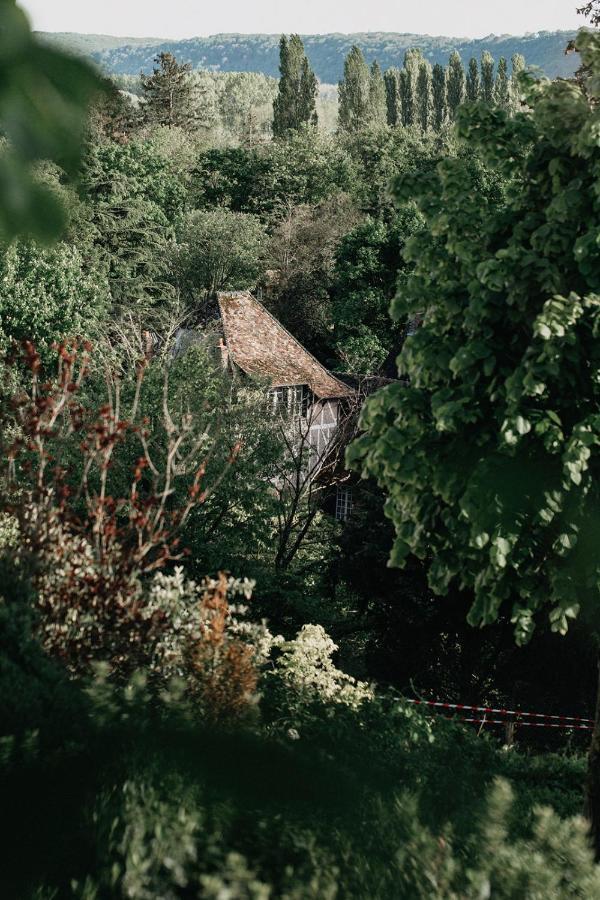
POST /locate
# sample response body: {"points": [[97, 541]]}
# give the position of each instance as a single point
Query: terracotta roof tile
{"points": [[263, 348]]}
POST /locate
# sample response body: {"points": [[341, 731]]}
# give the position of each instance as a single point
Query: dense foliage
{"points": [[490, 466], [202, 669], [498, 450]]}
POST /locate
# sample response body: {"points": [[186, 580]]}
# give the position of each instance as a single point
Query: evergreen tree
{"points": [[377, 96], [487, 77], [473, 82], [408, 86], [424, 95], [440, 96], [170, 94], [456, 84], [355, 92], [392, 96], [502, 85], [295, 103]]}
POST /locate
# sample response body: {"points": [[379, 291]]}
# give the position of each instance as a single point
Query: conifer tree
{"points": [[487, 77], [377, 96], [456, 84], [295, 103], [355, 92], [502, 85], [440, 96], [473, 82], [170, 94], [408, 86], [392, 97], [424, 95]]}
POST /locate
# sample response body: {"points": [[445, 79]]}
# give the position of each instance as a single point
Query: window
{"points": [[343, 502], [291, 400]]}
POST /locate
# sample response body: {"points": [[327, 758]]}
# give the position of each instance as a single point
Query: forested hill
{"points": [[260, 52]]}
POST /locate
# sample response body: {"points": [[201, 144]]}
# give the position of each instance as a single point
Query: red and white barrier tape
{"points": [[521, 724], [503, 712]]}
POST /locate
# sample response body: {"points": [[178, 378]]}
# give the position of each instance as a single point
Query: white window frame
{"points": [[343, 502]]}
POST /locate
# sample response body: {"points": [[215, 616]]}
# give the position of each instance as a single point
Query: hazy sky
{"points": [[187, 18]]}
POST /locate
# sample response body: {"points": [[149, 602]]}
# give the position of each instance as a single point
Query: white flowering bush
{"points": [[306, 668], [9, 532]]}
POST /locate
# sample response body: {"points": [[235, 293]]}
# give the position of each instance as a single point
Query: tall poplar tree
{"points": [[424, 95], [456, 84], [487, 77], [473, 81], [502, 85], [377, 96], [518, 66], [354, 92], [295, 103], [408, 86], [440, 96], [170, 94], [392, 96]]}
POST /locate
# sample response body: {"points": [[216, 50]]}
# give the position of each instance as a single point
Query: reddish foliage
{"points": [[226, 676], [89, 550]]}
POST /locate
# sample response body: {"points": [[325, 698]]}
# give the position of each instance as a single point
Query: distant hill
{"points": [[260, 52], [91, 44]]}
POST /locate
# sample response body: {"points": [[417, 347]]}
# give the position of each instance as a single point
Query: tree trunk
{"points": [[592, 785]]}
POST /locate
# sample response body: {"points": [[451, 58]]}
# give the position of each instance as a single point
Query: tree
{"points": [[368, 263], [170, 94], [113, 115], [134, 199], [377, 157], [502, 85], [355, 92], [440, 96], [47, 295], [487, 77], [295, 103], [246, 99], [493, 471], [44, 99], [392, 97], [219, 249], [456, 84], [473, 81], [377, 96], [424, 95], [302, 252], [592, 11], [408, 86], [518, 67]]}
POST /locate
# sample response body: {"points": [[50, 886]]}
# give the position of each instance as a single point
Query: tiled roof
{"points": [[263, 348]]}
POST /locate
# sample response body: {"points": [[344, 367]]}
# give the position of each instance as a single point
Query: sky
{"points": [[190, 18]]}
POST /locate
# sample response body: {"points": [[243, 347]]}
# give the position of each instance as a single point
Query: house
{"points": [[301, 389]]}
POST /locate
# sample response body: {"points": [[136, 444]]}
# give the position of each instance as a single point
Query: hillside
{"points": [[260, 52], [91, 44]]}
